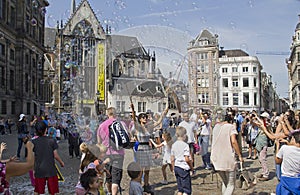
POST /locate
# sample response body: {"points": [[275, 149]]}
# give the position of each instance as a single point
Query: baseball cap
{"points": [[21, 116]]}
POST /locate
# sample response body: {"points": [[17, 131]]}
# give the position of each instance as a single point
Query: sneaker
{"points": [[147, 189], [208, 168], [263, 179], [164, 182]]}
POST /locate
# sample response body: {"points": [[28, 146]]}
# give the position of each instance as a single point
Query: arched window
{"points": [[115, 68], [131, 68]]}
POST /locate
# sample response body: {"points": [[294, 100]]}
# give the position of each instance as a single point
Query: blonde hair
{"points": [[180, 131], [111, 111], [83, 147]]}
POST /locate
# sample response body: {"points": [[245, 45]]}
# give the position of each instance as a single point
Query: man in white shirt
{"points": [[191, 133]]}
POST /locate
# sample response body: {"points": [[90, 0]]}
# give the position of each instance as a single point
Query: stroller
{"points": [[245, 179]]}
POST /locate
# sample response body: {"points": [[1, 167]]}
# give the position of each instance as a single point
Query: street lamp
{"points": [[98, 102]]}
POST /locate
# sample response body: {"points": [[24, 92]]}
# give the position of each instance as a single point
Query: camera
{"points": [[253, 115]]}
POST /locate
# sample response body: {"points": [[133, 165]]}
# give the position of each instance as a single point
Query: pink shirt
{"points": [[103, 133]]}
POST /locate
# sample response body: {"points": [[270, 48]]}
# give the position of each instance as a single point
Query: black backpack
{"points": [[118, 135]]}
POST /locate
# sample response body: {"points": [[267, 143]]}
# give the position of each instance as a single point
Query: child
{"points": [[134, 171], [166, 144], [181, 162], [90, 182], [45, 154], [94, 158]]}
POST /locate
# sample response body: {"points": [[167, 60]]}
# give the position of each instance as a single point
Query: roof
{"points": [[232, 53], [126, 44], [206, 35], [141, 88]]}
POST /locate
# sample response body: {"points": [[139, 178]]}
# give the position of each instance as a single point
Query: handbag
{"points": [[197, 149]]}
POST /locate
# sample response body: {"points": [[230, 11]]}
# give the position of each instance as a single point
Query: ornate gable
{"points": [[84, 17]]}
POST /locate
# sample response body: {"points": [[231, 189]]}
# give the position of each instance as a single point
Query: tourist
{"points": [[181, 162], [224, 144], [22, 133]]}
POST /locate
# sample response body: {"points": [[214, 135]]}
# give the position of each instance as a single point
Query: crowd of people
{"points": [[176, 139]]}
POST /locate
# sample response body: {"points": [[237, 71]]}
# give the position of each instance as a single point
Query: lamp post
{"points": [[98, 102]]}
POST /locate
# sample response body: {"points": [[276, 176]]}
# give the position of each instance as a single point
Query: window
{"points": [[12, 16], [1, 9], [235, 99], [203, 82], [3, 107], [225, 82], [245, 69], [12, 54], [2, 79], [2, 49], [206, 68], [298, 54], [225, 99], [120, 107], [11, 80], [131, 68], [203, 98], [141, 106], [246, 98], [202, 67], [254, 69], [28, 108], [234, 69], [115, 68], [161, 106], [235, 82], [224, 70], [245, 82], [255, 99], [119, 87], [254, 82], [26, 82], [13, 107], [33, 85]]}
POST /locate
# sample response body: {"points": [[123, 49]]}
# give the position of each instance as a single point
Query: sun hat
{"points": [[265, 115]]}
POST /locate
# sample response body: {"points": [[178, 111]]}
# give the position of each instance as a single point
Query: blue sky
{"points": [[167, 26]]}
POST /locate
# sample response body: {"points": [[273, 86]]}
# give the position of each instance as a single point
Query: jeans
{"points": [[20, 143], [228, 181], [203, 141]]}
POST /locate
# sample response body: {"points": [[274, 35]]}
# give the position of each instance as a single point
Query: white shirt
{"points": [[190, 130], [206, 128], [179, 150], [290, 155]]}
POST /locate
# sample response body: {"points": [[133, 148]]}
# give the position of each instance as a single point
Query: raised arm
{"points": [[159, 121]]}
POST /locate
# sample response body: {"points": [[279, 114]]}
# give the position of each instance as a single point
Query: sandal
{"points": [[253, 158], [249, 157]]}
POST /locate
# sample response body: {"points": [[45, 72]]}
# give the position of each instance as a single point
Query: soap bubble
{"points": [[43, 11], [35, 4], [244, 46], [119, 4], [33, 22]]}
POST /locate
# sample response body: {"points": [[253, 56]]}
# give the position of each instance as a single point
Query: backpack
{"points": [[118, 135]]}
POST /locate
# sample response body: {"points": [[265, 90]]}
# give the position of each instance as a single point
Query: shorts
{"points": [[191, 146], [115, 168], [52, 183], [183, 179]]}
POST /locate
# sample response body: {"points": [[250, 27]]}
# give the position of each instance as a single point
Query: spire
{"points": [[73, 7]]}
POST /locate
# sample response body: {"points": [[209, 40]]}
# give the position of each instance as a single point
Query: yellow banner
{"points": [[101, 72]]}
